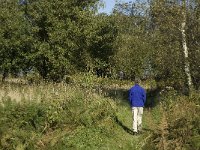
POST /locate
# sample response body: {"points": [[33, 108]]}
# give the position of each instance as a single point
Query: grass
{"points": [[179, 123], [88, 113]]}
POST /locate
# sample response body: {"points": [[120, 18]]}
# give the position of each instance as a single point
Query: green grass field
{"points": [[91, 113]]}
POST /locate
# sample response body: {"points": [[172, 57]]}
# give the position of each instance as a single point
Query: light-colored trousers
{"points": [[137, 118]]}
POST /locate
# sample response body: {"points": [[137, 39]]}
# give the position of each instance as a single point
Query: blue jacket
{"points": [[137, 96]]}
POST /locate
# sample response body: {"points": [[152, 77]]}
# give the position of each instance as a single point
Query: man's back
{"points": [[137, 96]]}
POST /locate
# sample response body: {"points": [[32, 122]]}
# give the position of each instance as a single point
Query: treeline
{"points": [[157, 39]]}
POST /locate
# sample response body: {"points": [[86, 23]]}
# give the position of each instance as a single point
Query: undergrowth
{"points": [[179, 127], [58, 115], [94, 113]]}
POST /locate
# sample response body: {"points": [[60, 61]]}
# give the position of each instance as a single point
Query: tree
{"points": [[58, 30], [166, 59], [55, 34], [101, 37], [169, 23], [13, 38], [192, 30], [185, 46], [132, 45]]}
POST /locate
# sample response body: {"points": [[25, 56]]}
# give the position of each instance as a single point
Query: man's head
{"points": [[137, 80]]}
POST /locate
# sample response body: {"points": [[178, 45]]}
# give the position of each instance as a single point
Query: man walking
{"points": [[137, 98]]}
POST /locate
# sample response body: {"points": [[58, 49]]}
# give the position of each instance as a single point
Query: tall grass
{"points": [[46, 115], [93, 113], [179, 126]]}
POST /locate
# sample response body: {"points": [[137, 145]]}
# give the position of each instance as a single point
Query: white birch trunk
{"points": [[185, 50]]}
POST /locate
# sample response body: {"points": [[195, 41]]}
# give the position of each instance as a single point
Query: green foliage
{"points": [[85, 138], [168, 59], [55, 34], [60, 38], [193, 38], [132, 45], [179, 126], [13, 38], [58, 32], [20, 124], [103, 35], [93, 113], [47, 39], [27, 124]]}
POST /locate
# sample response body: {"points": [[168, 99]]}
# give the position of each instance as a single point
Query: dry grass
{"points": [[19, 92]]}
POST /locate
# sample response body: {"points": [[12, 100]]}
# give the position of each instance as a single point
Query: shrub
{"points": [[179, 127]]}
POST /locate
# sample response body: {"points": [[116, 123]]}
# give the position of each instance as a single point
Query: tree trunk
{"points": [[5, 74], [185, 51]]}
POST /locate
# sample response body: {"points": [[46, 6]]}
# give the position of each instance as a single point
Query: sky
{"points": [[109, 4]]}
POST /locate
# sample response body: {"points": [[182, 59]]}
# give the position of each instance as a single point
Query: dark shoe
{"points": [[135, 133], [140, 132]]}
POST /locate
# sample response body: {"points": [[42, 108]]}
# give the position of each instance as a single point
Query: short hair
{"points": [[137, 80]]}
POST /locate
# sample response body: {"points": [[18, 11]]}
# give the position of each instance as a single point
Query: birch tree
{"points": [[170, 29], [193, 35], [185, 47]]}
